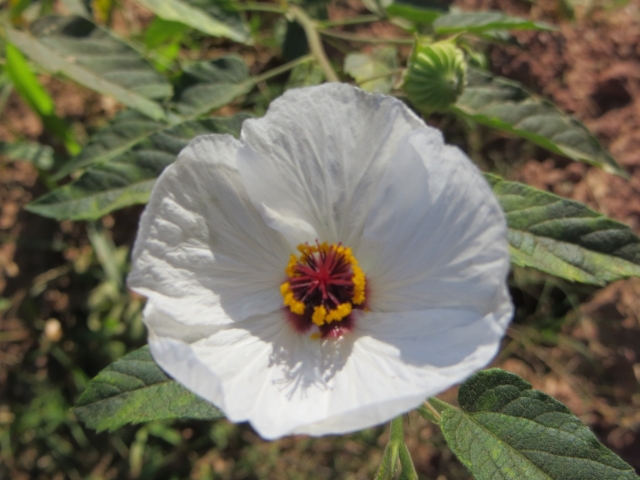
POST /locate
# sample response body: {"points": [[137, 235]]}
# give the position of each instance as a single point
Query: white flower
{"points": [[328, 271]]}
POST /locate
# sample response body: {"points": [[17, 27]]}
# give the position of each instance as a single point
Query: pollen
{"points": [[290, 301], [324, 285], [338, 313], [359, 283], [319, 315]]}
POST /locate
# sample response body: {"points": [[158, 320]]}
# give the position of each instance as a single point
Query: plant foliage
{"points": [[506, 430], [133, 390], [564, 237]]}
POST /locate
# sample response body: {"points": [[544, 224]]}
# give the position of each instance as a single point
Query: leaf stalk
{"points": [[315, 43], [260, 7], [395, 451], [351, 37], [274, 72], [429, 412], [347, 21]]}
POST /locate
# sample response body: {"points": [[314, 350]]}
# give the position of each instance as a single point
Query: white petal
{"points": [[435, 236], [399, 360], [203, 253], [312, 163], [262, 371]]}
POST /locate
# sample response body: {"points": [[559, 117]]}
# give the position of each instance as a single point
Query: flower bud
{"points": [[435, 75]]}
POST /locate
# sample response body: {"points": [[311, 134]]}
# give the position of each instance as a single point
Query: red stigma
{"points": [[324, 285]]}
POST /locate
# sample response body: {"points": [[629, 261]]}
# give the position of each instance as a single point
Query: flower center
{"points": [[323, 287]]}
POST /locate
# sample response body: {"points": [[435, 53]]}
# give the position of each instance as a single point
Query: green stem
{"points": [[396, 450], [351, 37], [397, 431], [105, 252], [175, 119], [439, 405], [382, 75], [314, 41], [406, 462], [260, 7], [347, 21], [389, 462], [274, 72], [429, 412]]}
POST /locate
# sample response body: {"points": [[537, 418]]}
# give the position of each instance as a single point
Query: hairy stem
{"points": [[429, 412], [397, 431], [347, 21], [396, 450], [260, 7], [406, 462], [315, 43], [351, 37], [274, 72]]}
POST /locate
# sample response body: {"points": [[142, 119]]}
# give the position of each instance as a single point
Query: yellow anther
{"points": [[301, 270], [306, 250], [338, 313], [359, 284], [296, 306], [319, 314], [347, 254], [291, 267]]}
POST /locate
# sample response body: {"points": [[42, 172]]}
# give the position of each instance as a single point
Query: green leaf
{"points": [[506, 430], [480, 22], [34, 94], [214, 17], [316, 9], [42, 156], [563, 237], [163, 31], [363, 66], [128, 178], [205, 86], [417, 11], [163, 41], [294, 44], [106, 253], [127, 128], [305, 75], [26, 83], [88, 55], [135, 390], [506, 105]]}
